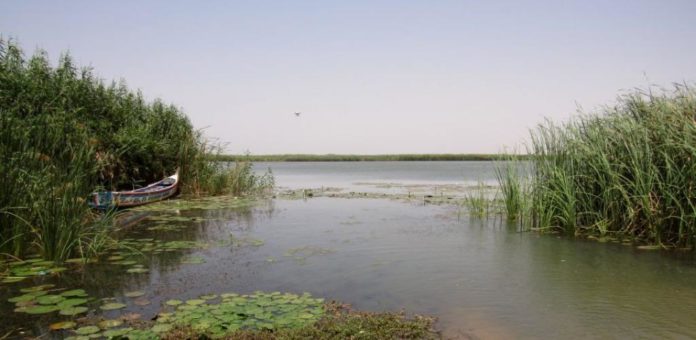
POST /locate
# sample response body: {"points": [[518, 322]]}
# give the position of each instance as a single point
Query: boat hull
{"points": [[123, 199]]}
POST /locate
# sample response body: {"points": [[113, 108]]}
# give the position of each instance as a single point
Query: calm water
{"points": [[391, 177], [480, 277]]}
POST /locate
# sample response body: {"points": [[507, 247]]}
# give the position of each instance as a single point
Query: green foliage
{"points": [[237, 180], [628, 172], [65, 133]]}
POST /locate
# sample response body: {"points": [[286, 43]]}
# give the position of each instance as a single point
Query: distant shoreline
{"points": [[365, 158]]}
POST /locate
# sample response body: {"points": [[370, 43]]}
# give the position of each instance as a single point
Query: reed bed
{"points": [[627, 172], [65, 133]]}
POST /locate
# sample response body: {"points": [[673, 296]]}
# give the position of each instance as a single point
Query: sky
{"points": [[370, 77]]}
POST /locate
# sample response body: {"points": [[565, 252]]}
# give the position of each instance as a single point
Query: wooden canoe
{"points": [[122, 199]]}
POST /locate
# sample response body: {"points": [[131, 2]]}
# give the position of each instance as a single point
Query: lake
{"points": [[482, 278]]}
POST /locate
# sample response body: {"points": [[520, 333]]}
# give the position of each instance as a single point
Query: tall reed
{"points": [[63, 134], [627, 172]]}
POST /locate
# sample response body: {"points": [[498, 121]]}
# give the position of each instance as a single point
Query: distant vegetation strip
{"points": [[365, 158]]}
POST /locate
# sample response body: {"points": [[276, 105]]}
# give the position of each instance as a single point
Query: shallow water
{"points": [[482, 278]]}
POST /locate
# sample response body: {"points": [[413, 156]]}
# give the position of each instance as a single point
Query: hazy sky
{"points": [[369, 76]]}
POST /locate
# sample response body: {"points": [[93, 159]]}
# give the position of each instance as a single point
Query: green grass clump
{"points": [[629, 171], [477, 203]]}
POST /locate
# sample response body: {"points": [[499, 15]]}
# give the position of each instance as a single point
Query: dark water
{"points": [[481, 278]]}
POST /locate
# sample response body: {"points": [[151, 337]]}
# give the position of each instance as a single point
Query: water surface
{"points": [[481, 278]]}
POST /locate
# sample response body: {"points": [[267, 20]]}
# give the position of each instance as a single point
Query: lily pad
{"points": [[74, 293], [134, 294], [36, 288], [208, 297], [113, 333], [104, 324], [62, 325], [41, 309], [162, 327], [87, 330], [174, 302], [141, 301], [71, 302], [112, 306], [49, 299], [195, 302], [69, 311], [22, 298]]}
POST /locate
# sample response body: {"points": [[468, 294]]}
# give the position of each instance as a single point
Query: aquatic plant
{"points": [[64, 133], [477, 203], [627, 171]]}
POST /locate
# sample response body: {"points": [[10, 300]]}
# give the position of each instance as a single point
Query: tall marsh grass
{"points": [[65, 133], [627, 172]]}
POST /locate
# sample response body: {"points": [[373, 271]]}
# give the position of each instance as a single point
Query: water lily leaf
{"points": [[174, 302], [40, 309], [71, 302], [22, 298], [114, 258], [208, 297], [69, 311], [193, 260], [112, 306], [87, 330], [134, 294], [62, 325], [36, 289], [74, 293], [49, 299], [104, 324], [113, 333], [141, 301], [195, 302], [161, 327]]}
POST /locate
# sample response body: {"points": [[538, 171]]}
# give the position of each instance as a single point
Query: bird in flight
{"points": [[297, 114]]}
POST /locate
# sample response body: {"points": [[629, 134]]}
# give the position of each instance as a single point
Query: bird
{"points": [[297, 114]]}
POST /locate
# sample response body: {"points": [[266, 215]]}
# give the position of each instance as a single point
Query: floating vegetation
{"points": [[69, 311], [87, 330], [301, 254], [134, 294], [245, 241], [106, 324], [74, 293], [141, 301], [36, 300], [244, 312], [20, 270], [173, 302], [112, 306], [192, 260], [207, 203], [62, 325]]}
